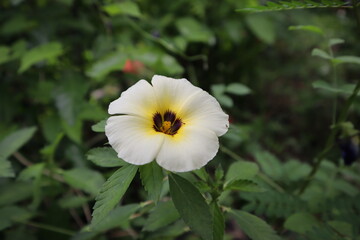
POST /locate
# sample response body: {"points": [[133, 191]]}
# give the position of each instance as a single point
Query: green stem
{"points": [[356, 12], [49, 228], [342, 117], [260, 174], [335, 84], [331, 139]]}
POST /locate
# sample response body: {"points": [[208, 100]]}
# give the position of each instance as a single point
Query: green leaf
{"points": [[34, 172], [243, 185], [4, 54], [117, 217], [301, 222], [242, 170], [162, 215], [219, 174], [107, 64], [123, 8], [72, 201], [295, 170], [14, 192], [112, 191], [85, 179], [253, 226], [344, 228], [287, 5], [191, 206], [309, 28], [320, 53], [99, 127], [49, 150], [346, 89], [6, 169], [262, 27], [12, 214], [238, 89], [335, 41], [15, 140], [194, 31], [152, 179], [218, 89], [43, 52], [218, 220], [105, 157], [269, 164], [347, 59]]}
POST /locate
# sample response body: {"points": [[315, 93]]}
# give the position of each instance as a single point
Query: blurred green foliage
{"points": [[63, 61]]}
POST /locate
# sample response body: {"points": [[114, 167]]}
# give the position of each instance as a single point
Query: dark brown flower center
{"points": [[167, 123]]}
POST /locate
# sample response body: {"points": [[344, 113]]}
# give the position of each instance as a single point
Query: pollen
{"points": [[167, 123], [165, 126]]}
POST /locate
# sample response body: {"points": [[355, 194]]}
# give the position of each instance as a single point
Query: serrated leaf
{"points": [[152, 179], [286, 5], [123, 8], [12, 214], [242, 170], [40, 53], [253, 226], [72, 201], [33, 172], [99, 127], [320, 53], [14, 192], [112, 191], [269, 164], [15, 140], [105, 157], [116, 218], [85, 179], [218, 221], [238, 89], [162, 215], [309, 28], [243, 185], [6, 169], [191, 206], [301, 222]]}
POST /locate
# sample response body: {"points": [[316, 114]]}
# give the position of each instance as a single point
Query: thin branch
{"points": [[48, 227]]}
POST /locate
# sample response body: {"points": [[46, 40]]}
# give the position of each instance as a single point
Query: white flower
{"points": [[169, 120]]}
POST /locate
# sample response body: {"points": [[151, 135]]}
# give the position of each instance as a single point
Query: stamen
{"points": [[167, 123], [165, 126], [157, 119]]}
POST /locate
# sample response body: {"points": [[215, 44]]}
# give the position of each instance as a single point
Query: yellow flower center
{"points": [[167, 123]]}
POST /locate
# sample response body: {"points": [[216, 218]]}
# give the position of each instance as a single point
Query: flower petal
{"points": [[133, 138], [195, 106], [189, 150], [203, 110], [172, 93], [138, 100]]}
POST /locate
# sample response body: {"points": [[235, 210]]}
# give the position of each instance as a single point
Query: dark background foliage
{"points": [[63, 61]]}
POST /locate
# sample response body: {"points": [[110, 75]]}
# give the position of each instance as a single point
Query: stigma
{"points": [[167, 123]]}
